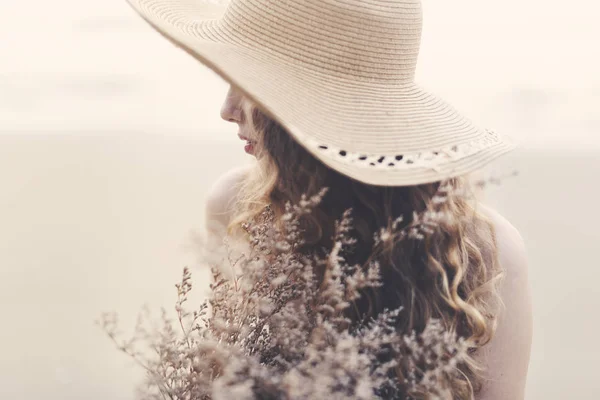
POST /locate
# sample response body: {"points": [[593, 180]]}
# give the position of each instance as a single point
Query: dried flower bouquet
{"points": [[275, 330]]}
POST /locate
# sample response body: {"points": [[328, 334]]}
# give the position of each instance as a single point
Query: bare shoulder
{"points": [[512, 251], [221, 196], [506, 356]]}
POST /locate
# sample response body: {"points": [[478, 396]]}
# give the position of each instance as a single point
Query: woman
{"points": [[324, 95]]}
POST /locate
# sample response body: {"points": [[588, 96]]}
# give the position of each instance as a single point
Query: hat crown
{"points": [[369, 40]]}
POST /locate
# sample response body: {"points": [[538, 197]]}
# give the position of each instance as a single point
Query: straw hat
{"points": [[338, 75]]}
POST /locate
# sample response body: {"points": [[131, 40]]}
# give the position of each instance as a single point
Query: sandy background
{"points": [[110, 138]]}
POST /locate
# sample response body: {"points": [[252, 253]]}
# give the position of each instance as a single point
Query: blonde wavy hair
{"points": [[452, 275]]}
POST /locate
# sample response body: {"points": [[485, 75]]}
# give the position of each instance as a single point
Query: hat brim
{"points": [[380, 134]]}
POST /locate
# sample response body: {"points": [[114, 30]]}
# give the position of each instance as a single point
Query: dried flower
{"points": [[273, 330]]}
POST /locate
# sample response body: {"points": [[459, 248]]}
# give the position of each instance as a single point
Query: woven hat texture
{"points": [[338, 75]]}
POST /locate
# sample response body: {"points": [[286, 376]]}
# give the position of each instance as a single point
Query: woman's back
{"points": [[506, 356]]}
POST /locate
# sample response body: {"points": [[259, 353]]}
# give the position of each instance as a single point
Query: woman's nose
{"points": [[231, 109]]}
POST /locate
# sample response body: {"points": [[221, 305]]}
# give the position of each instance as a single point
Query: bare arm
{"points": [[506, 356]]}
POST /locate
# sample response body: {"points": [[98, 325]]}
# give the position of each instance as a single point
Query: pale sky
{"points": [[94, 66]]}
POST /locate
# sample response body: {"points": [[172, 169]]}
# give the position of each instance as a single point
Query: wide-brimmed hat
{"points": [[338, 75]]}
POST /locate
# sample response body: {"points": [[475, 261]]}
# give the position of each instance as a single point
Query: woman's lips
{"points": [[249, 148]]}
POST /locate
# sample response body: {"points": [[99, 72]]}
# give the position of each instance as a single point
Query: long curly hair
{"points": [[452, 275]]}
